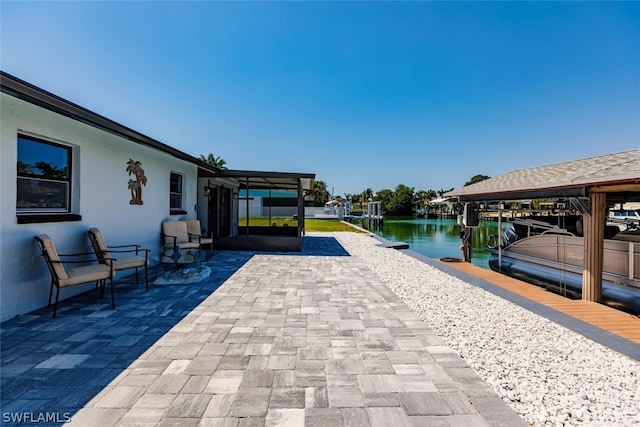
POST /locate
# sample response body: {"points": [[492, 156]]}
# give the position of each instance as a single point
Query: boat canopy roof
{"points": [[620, 172]]}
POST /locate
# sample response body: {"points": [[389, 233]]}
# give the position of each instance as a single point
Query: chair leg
{"points": [[50, 293], [102, 284], [113, 300], [146, 276], [55, 307]]}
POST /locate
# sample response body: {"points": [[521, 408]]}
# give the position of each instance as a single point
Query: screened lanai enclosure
{"points": [[270, 208]]}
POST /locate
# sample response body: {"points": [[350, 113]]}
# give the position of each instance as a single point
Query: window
{"points": [[175, 192], [44, 176]]}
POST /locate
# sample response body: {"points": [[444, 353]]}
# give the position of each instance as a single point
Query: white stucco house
{"points": [[64, 169]]}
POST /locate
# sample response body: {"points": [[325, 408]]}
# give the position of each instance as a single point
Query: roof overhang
{"points": [[34, 95], [270, 180], [542, 193], [442, 200], [616, 174], [616, 192], [255, 179]]}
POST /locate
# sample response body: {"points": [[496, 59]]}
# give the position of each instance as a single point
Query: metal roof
{"points": [[27, 92], [270, 180], [567, 179]]}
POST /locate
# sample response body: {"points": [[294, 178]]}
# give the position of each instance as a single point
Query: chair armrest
{"points": [[175, 240], [84, 261], [78, 254], [124, 246], [136, 250], [110, 262], [191, 236], [146, 251]]}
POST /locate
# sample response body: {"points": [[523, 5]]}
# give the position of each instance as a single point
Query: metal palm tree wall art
{"points": [[135, 168]]}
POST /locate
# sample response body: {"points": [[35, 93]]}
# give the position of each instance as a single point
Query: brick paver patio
{"points": [[309, 339]]}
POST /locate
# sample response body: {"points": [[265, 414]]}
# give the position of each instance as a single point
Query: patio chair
{"points": [[137, 256], [62, 277], [175, 236], [195, 233]]}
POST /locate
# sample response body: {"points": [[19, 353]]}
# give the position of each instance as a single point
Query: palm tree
{"points": [[319, 193], [421, 199], [442, 191], [218, 162], [367, 195], [356, 199], [135, 168]]}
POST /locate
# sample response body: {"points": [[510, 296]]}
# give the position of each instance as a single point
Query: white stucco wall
{"points": [[101, 183]]}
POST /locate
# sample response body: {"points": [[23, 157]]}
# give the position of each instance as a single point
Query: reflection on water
{"points": [[439, 238]]}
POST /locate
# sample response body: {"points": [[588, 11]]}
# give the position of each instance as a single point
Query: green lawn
{"points": [[326, 225], [264, 222], [329, 225]]}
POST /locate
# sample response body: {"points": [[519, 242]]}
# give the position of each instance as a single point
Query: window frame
{"points": [[176, 210], [37, 214]]}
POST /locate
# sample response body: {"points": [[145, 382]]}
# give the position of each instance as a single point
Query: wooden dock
{"points": [[617, 322]]}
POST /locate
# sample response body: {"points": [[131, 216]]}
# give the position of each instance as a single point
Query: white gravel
{"points": [[549, 374]]}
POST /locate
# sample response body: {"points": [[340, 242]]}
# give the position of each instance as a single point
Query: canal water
{"points": [[438, 238]]}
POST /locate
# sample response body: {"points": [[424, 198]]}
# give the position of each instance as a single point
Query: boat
{"points": [[549, 252], [624, 219]]}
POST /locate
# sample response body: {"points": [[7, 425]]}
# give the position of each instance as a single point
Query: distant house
{"points": [[267, 203], [65, 169]]}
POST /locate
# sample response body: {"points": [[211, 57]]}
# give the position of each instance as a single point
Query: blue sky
{"points": [[363, 94]]}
